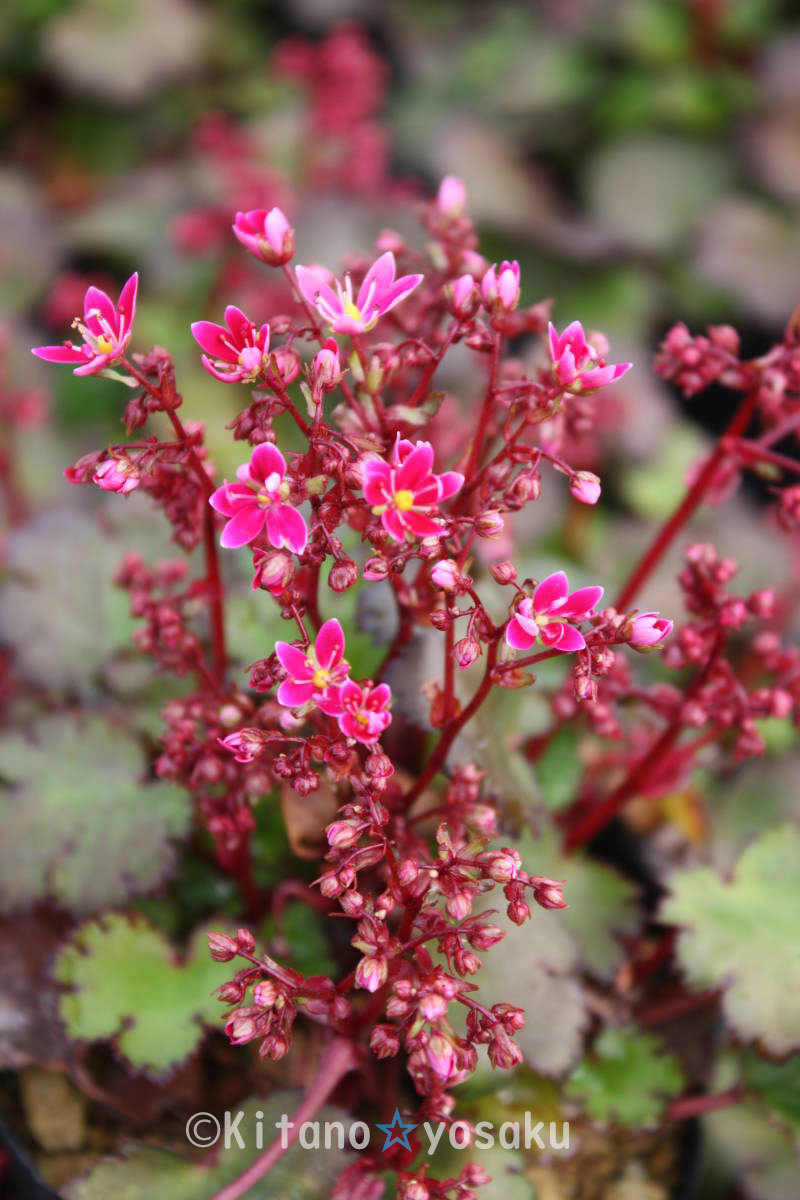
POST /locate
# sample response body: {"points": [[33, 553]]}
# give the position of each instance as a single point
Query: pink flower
{"points": [[585, 487], [379, 293], [267, 235], [237, 352], [404, 492], [647, 630], [117, 475], [371, 973], [326, 370], [314, 669], [360, 709], [258, 500], [577, 364], [105, 330], [462, 296], [500, 286], [550, 613]]}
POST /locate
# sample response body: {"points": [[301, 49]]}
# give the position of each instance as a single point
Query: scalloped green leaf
{"points": [[79, 825], [778, 1083], [144, 1172], [626, 1078], [741, 935], [126, 983]]}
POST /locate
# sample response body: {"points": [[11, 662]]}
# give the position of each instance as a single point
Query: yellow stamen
{"points": [[362, 719], [264, 499], [404, 500], [321, 678], [351, 309], [103, 344]]}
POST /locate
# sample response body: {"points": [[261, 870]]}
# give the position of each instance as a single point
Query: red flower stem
{"points": [[486, 411], [667, 1010], [339, 1058], [590, 823], [752, 452], [691, 501], [694, 1106], [449, 671], [418, 395], [452, 730], [213, 577]]}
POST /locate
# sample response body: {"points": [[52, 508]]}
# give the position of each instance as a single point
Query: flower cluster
{"points": [[416, 499]]}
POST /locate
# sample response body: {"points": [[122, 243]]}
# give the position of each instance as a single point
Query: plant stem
{"points": [[452, 730], [590, 823], [338, 1059], [694, 1106], [693, 498]]}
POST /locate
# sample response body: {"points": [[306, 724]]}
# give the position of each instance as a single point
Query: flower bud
{"points": [[548, 893], [245, 940], [326, 371], [265, 994], [466, 652], [117, 475], [222, 947], [372, 972], [585, 487], [446, 575], [384, 1041], [376, 569], [503, 572], [451, 198], [500, 286], [343, 574], [267, 235], [647, 630], [462, 296], [489, 524]]}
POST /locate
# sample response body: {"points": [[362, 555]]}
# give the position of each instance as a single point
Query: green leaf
{"points": [[79, 825], [626, 1078], [559, 769], [741, 935], [145, 1172], [127, 983], [778, 1083]]}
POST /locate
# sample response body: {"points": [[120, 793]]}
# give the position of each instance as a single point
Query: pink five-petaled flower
{"points": [[647, 630], [360, 708], [259, 499], [117, 475], [314, 669], [403, 491], [267, 235], [379, 293], [579, 365], [550, 614], [105, 329], [237, 351]]}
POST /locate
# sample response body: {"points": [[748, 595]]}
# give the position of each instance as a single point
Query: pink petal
{"points": [[126, 305], [601, 376], [230, 498], [380, 697], [398, 291], [382, 273], [209, 336], [450, 482], [377, 481], [286, 527], [329, 645], [96, 299], [517, 636], [238, 324], [416, 468], [294, 695], [581, 602], [394, 525], [243, 527], [267, 460], [313, 283], [59, 354], [422, 525], [293, 660], [550, 592], [571, 639], [566, 370], [94, 365]]}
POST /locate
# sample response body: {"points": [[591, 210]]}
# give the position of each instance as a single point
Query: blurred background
{"points": [[640, 158]]}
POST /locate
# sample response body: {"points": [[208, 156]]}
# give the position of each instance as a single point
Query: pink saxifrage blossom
{"points": [[579, 365], [266, 234], [259, 500], [117, 475], [315, 670], [552, 614], [361, 709], [378, 294], [105, 329], [237, 351], [405, 493], [647, 630]]}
